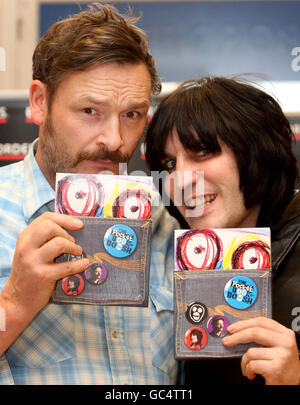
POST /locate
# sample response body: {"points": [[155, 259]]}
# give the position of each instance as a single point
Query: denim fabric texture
{"points": [[207, 287], [127, 281]]}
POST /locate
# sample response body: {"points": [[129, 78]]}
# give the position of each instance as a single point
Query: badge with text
{"points": [[221, 276], [118, 252], [120, 241], [240, 292]]}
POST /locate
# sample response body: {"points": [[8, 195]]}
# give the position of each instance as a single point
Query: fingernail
{"points": [[86, 262], [77, 222], [225, 340], [230, 328]]}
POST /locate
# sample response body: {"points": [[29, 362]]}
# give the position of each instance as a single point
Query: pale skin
{"points": [[278, 361], [101, 112]]}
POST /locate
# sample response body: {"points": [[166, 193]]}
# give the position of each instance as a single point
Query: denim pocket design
{"points": [[221, 276], [209, 288], [121, 249]]}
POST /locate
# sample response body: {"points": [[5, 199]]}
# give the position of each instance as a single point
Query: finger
{"points": [[64, 269], [254, 367], [259, 353], [56, 247], [276, 365], [66, 221], [263, 322], [40, 233], [255, 334], [255, 354]]}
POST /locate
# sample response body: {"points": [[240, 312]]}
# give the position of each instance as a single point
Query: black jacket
{"points": [[285, 251]]}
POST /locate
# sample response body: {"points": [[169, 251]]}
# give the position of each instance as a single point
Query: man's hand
{"points": [[34, 272], [277, 361]]}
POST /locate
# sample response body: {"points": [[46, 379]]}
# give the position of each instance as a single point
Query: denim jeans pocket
{"points": [[207, 301], [119, 255]]}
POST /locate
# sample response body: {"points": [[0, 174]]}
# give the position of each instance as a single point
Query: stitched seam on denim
{"points": [[263, 279], [144, 230]]}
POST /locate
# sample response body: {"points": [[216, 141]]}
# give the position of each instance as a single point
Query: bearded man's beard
{"points": [[57, 158]]}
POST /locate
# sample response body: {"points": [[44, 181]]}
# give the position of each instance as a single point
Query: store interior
{"points": [[259, 40]]}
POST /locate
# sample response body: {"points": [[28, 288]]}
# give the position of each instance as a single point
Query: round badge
{"points": [[120, 241], [195, 338], [217, 325], [240, 292], [96, 273], [196, 312], [72, 285]]}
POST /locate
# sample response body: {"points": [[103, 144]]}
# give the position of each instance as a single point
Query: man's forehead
{"points": [[100, 99], [99, 83]]}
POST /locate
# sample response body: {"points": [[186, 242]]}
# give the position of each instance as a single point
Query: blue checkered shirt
{"points": [[86, 344]]}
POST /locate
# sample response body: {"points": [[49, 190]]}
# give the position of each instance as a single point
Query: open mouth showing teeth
{"points": [[200, 201]]}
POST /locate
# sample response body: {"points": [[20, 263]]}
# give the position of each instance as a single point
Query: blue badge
{"points": [[120, 241], [240, 292]]}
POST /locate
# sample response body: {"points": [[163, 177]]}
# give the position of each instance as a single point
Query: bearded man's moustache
{"points": [[116, 157]]}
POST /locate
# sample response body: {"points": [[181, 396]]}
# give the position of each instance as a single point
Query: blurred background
{"points": [[188, 39]]}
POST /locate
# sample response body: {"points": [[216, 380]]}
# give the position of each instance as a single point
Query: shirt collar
{"points": [[37, 190]]}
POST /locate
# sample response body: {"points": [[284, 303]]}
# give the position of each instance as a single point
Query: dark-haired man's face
{"points": [[220, 202], [96, 120]]}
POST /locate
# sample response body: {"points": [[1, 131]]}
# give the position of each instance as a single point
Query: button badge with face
{"points": [[196, 312]]}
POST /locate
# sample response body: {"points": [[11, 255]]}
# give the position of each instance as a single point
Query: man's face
{"points": [[223, 200], [95, 121], [98, 272], [219, 325]]}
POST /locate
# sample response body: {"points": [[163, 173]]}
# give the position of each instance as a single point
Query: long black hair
{"points": [[248, 120]]}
